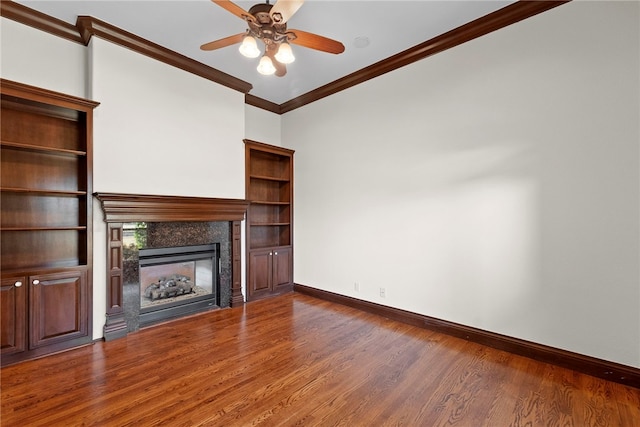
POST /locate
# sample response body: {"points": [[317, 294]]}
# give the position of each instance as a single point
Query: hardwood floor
{"points": [[299, 361]]}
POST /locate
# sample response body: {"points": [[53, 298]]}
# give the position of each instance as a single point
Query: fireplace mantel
{"points": [[136, 207], [122, 208]]}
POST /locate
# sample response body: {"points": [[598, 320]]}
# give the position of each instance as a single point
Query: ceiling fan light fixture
{"points": [[266, 67], [249, 47], [268, 23], [285, 54]]}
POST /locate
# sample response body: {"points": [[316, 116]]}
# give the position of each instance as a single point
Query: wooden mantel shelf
{"points": [[150, 208], [122, 208]]}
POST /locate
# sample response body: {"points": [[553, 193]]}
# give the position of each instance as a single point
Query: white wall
{"points": [[174, 133], [262, 125], [39, 59], [494, 185]]}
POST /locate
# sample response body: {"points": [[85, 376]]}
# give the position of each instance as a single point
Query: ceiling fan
{"points": [[268, 23]]}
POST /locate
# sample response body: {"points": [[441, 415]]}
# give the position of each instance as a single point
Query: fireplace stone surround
{"points": [[192, 212], [198, 251]]}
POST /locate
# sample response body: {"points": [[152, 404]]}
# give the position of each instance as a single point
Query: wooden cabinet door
{"points": [[13, 309], [281, 269], [260, 283], [58, 307], [270, 272]]}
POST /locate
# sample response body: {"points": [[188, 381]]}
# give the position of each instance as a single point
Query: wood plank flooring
{"points": [[298, 361]]}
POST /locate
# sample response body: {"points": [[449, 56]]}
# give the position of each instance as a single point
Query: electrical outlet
{"points": [[383, 292], [356, 286]]}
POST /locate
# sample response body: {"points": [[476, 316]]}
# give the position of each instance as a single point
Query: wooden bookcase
{"points": [[46, 221], [269, 189]]}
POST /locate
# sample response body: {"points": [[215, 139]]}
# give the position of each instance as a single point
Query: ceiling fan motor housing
{"points": [[264, 27]]}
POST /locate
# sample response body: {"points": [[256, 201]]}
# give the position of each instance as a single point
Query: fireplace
{"points": [[169, 256], [171, 269], [178, 280], [171, 275]]}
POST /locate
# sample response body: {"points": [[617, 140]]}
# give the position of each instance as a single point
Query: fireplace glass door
{"points": [[171, 276]]}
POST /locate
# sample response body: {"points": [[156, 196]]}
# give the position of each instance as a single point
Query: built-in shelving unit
{"points": [[269, 188], [46, 219]]}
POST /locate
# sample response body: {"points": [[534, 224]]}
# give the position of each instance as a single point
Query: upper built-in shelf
{"points": [[269, 202], [42, 192], [269, 178], [75, 228], [41, 149]]}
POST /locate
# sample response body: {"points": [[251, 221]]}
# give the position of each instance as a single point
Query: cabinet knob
{"points": [[17, 284], [36, 282]]}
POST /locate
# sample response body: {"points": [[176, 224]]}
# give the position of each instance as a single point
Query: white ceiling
{"points": [[182, 26]]}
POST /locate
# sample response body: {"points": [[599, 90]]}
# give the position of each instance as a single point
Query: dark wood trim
{"points": [[90, 26], [33, 18], [274, 149], [89, 203], [115, 325], [599, 368], [262, 103], [149, 208], [236, 265], [494, 21]]}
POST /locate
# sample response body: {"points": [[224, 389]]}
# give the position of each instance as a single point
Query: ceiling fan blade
{"points": [[227, 41], [234, 8], [284, 9], [281, 69], [314, 41]]}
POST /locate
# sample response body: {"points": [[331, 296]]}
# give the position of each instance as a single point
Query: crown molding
{"points": [[262, 103], [87, 26], [90, 26]]}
